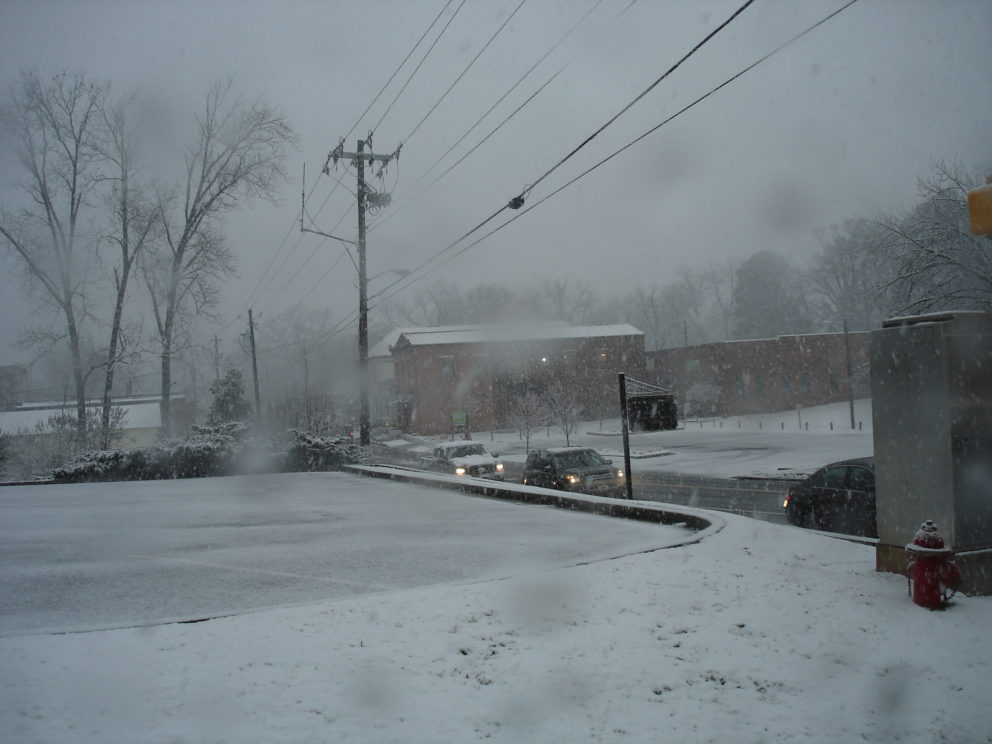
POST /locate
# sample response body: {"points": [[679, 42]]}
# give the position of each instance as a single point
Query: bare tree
{"points": [[528, 412], [939, 263], [297, 360], [439, 303], [567, 301], [720, 282], [848, 277], [768, 298], [237, 155], [134, 220], [644, 310], [54, 124], [564, 409]]}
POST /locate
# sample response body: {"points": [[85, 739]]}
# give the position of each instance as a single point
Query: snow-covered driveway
{"points": [[120, 554]]}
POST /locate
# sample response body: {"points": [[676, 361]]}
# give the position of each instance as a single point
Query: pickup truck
{"points": [[463, 458]]}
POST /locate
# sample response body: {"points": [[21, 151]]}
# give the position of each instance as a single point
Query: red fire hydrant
{"points": [[933, 576]]}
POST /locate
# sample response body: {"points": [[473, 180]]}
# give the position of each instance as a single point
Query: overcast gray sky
{"points": [[836, 126]]}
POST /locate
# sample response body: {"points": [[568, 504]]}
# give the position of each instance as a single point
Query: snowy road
{"points": [[102, 555]]}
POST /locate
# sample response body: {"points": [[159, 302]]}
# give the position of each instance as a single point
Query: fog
{"points": [[838, 125]]}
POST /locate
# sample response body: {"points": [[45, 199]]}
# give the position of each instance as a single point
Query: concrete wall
{"points": [[932, 417]]}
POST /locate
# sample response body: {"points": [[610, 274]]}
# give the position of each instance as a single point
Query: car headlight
{"points": [[573, 479], [459, 471], [619, 474], [499, 467]]}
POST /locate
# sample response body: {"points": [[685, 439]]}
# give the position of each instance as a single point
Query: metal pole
{"points": [[626, 435], [363, 305], [850, 383], [254, 365]]}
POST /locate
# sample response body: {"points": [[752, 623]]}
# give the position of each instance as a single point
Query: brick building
{"points": [[446, 377], [757, 376]]}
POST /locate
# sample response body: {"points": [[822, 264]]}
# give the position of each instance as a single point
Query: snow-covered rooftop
{"points": [[137, 415], [522, 332]]}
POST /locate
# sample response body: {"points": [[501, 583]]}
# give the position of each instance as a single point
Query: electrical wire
{"points": [[519, 201], [422, 176], [275, 256], [419, 65], [282, 244], [397, 70], [407, 281], [465, 71], [408, 202], [526, 192]]}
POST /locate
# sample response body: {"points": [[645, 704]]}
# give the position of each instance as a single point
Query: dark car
{"points": [[579, 469], [839, 497]]}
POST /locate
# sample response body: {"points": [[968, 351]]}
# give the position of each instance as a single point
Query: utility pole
{"points": [[359, 159], [306, 390], [625, 430], [254, 365], [850, 372]]}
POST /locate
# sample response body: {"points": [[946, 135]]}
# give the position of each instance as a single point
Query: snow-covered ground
{"points": [[790, 444], [758, 633]]}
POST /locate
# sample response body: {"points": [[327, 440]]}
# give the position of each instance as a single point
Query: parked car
{"points": [[463, 458], [839, 497], [579, 469]]}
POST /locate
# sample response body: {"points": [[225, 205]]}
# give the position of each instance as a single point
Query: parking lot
{"points": [[76, 557]]}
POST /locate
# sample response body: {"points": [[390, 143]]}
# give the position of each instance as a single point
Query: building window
{"points": [[834, 381], [759, 385], [786, 384], [804, 382], [447, 368], [741, 385]]}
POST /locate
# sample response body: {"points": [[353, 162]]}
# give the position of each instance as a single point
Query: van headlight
{"points": [[573, 479], [459, 470], [499, 467], [619, 474]]}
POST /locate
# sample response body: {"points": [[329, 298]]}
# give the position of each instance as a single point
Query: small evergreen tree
{"points": [[229, 402]]}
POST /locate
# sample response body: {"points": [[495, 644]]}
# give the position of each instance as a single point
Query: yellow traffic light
{"points": [[980, 209]]}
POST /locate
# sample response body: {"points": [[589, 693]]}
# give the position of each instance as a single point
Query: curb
{"points": [[701, 523]]}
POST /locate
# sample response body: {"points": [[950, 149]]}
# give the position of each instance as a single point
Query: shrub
{"points": [[225, 449]]}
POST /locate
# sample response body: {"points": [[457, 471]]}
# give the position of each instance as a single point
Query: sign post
{"points": [[628, 478]]}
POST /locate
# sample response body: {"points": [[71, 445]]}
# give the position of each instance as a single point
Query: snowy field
{"points": [[758, 633]]}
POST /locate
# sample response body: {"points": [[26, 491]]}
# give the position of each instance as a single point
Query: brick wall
{"points": [[762, 375], [482, 380]]}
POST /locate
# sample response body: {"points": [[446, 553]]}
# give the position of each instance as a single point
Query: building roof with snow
{"points": [[139, 413], [508, 333]]}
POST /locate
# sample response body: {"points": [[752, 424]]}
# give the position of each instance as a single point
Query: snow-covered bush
{"points": [[225, 449], [308, 452]]}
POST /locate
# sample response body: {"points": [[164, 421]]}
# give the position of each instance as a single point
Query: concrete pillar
{"points": [[931, 385]]}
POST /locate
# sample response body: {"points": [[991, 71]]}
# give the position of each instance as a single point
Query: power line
{"points": [[482, 118], [460, 160], [419, 65], [272, 261], [605, 160], [397, 70], [518, 201], [465, 71], [285, 238], [526, 192]]}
